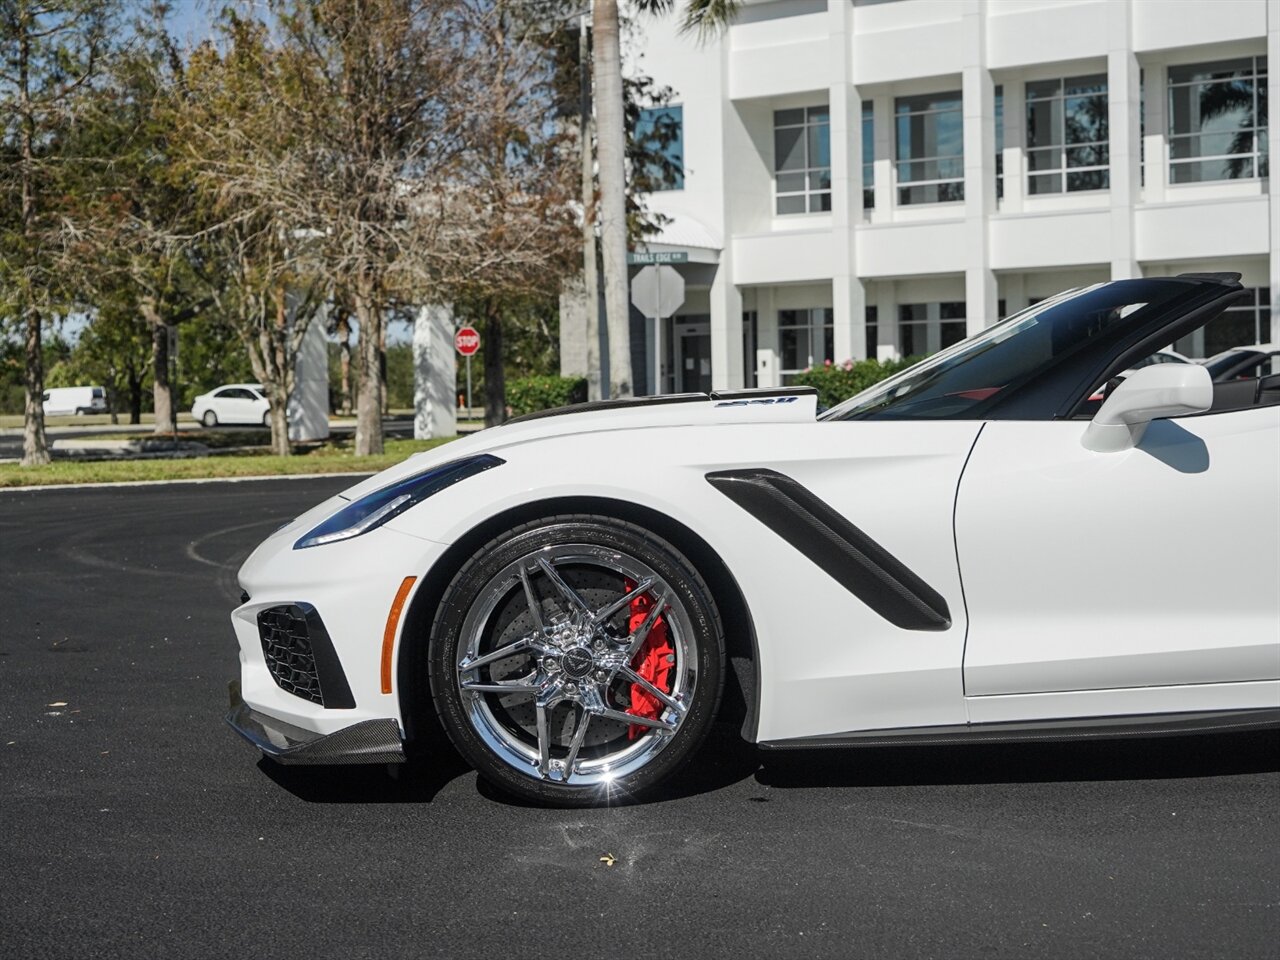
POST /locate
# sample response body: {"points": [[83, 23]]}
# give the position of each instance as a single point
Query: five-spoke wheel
{"points": [[576, 660]]}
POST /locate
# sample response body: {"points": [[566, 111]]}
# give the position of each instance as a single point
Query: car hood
{"points": [[674, 411]]}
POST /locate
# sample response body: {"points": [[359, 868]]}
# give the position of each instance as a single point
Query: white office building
{"points": [[883, 177]]}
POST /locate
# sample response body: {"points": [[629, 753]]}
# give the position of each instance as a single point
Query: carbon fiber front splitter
{"points": [[370, 741]]}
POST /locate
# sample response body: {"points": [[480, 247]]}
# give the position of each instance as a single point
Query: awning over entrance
{"points": [[686, 234]]}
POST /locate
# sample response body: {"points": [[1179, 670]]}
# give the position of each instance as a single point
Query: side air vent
{"points": [[850, 557]]}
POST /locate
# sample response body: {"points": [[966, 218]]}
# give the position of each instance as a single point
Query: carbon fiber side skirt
{"points": [[1047, 731]]}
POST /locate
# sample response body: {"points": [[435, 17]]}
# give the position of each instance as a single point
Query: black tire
{"points": [[693, 624], [210, 419]]}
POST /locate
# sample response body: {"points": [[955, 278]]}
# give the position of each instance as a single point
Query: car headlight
{"points": [[374, 509]]}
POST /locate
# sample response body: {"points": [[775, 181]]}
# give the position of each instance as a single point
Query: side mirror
{"points": [[1160, 390]]}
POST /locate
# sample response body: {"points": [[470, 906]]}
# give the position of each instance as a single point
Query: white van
{"points": [[62, 401]]}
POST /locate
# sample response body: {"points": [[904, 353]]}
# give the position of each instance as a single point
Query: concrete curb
{"points": [[185, 480]]}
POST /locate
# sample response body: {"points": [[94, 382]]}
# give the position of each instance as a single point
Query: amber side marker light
{"points": [[389, 634]]}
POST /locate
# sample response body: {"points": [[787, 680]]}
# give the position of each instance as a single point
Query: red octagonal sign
{"points": [[467, 340]]}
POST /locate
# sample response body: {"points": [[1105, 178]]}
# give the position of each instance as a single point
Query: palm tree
{"points": [[703, 17]]}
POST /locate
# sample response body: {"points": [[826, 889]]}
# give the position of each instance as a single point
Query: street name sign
{"points": [[635, 258]]}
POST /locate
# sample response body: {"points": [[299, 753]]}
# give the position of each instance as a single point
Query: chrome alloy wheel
{"points": [[546, 664]]}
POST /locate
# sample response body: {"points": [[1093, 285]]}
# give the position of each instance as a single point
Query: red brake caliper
{"points": [[654, 661]]}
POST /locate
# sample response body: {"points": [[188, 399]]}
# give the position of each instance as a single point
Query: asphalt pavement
{"points": [[134, 823]]}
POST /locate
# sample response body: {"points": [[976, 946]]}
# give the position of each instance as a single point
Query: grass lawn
{"points": [[335, 457]]}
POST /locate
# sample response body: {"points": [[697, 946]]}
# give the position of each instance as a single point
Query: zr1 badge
{"points": [[756, 402]]}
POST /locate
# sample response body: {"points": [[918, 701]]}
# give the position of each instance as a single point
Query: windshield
{"points": [[966, 379]]}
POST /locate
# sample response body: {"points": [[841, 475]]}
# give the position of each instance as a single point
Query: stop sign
{"points": [[467, 340]]}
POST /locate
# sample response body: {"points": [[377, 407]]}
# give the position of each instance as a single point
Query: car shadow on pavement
{"points": [[415, 782], [724, 760], [1159, 758]]}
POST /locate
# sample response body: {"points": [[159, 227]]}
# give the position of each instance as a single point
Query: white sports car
{"points": [[961, 553]]}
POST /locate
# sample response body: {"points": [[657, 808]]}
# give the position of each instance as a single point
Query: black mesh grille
{"points": [[286, 645]]}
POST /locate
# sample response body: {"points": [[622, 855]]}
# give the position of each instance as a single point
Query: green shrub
{"points": [[529, 394], [837, 382]]}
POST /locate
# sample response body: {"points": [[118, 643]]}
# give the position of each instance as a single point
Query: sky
{"points": [[190, 19]]}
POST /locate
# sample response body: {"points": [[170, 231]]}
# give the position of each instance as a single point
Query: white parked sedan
{"points": [[1244, 363], [233, 403], [962, 553]]}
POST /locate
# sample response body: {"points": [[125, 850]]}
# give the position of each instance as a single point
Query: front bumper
{"points": [[369, 741]]}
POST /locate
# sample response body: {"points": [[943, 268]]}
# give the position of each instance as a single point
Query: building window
{"points": [[929, 134], [802, 159], [1242, 324], [1067, 135], [873, 332], [660, 134], [999, 142], [806, 338], [868, 156], [1218, 120], [925, 328], [951, 323]]}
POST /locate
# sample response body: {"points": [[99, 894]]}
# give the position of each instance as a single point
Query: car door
{"points": [[235, 405], [1153, 567]]}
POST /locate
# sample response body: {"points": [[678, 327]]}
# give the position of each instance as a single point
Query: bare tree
{"points": [[263, 269], [49, 52], [514, 236], [378, 110], [341, 317], [407, 140]]}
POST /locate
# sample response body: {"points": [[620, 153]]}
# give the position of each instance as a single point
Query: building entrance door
{"points": [[693, 357]]}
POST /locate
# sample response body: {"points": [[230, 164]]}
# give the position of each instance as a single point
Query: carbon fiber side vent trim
{"points": [[850, 557]]}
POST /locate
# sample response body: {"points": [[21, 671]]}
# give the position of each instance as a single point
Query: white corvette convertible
{"points": [[974, 550]]}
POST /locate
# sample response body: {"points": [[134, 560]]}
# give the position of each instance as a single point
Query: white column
{"points": [[882, 133], [1015, 143], [767, 359], [435, 380], [726, 327], [1273, 143], [979, 167], [848, 299], [849, 312], [1015, 293], [1124, 103], [308, 405], [1155, 140]]}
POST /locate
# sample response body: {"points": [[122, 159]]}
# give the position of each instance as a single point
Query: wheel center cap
{"points": [[577, 662]]}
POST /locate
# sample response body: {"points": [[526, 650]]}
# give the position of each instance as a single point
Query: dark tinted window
{"points": [[966, 380]]}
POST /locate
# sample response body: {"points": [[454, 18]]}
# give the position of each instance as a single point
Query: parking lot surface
{"points": [[136, 824]]}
